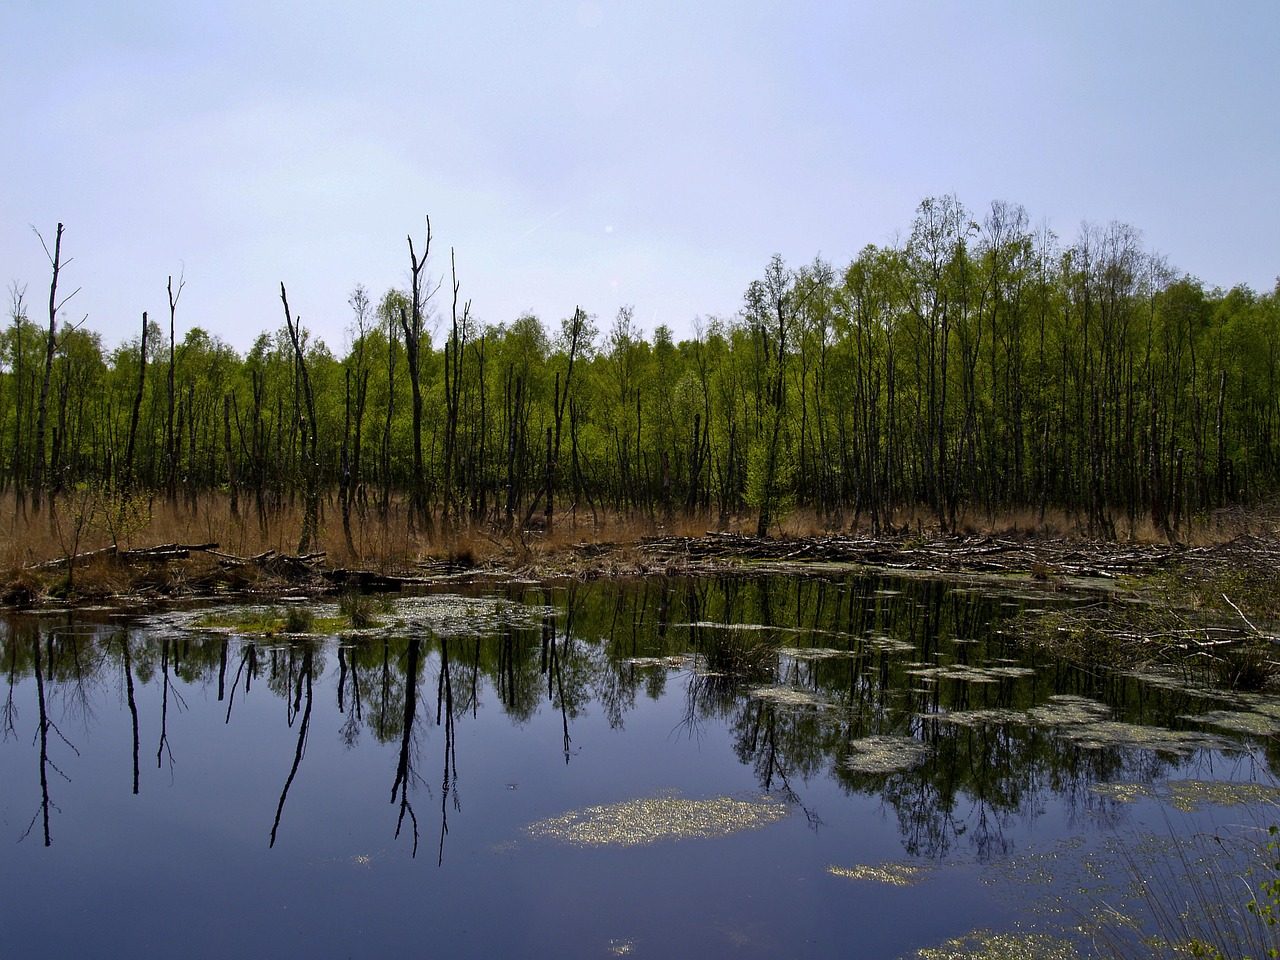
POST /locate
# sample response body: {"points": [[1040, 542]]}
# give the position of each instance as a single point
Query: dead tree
{"points": [[310, 456], [453, 353], [37, 465], [170, 439], [127, 472], [412, 325]]}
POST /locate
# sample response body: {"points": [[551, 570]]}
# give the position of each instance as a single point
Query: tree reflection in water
{"points": [[404, 768], [301, 702], [131, 699], [846, 659]]}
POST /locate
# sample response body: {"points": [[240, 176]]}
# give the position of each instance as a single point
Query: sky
{"points": [[602, 153]]}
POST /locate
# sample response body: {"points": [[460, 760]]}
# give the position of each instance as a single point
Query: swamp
{"points": [[744, 763]]}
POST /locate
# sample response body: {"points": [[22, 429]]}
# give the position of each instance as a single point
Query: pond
{"points": [[823, 766]]}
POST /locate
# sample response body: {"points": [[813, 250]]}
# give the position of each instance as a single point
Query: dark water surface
{"points": [[752, 767]]}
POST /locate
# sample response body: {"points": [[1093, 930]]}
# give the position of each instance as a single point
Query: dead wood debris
{"points": [[161, 553], [1042, 559]]}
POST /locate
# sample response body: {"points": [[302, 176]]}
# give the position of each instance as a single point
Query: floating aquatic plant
{"points": [[994, 716], [1268, 704], [1258, 724], [788, 696], [1190, 795], [668, 663], [885, 754], [814, 653], [885, 644], [1068, 710], [972, 674], [984, 945], [1114, 733], [450, 615], [894, 874], [651, 819]]}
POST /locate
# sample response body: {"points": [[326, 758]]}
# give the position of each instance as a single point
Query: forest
{"points": [[976, 367]]}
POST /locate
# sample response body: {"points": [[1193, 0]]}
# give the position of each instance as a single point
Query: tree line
{"points": [[978, 365]]}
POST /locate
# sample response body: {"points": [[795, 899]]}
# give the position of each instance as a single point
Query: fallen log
{"points": [[157, 554]]}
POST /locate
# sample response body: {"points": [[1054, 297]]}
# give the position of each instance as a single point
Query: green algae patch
{"points": [[992, 716], [885, 754], [666, 663], [1188, 796], [1065, 710], [788, 696], [984, 945], [893, 874], [1087, 723], [647, 820], [1237, 721], [814, 653], [1267, 704], [452, 615], [972, 674], [882, 643], [1114, 733]]}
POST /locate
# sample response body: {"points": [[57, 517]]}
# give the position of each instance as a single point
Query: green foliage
{"points": [[122, 515], [770, 486], [977, 366]]}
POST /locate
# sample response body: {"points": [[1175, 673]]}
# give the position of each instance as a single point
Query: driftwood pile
{"points": [[1040, 558], [285, 566]]}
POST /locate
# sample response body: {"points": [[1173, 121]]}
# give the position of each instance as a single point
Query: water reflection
{"points": [[906, 690]]}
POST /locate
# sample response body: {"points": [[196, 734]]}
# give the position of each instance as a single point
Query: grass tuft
{"points": [[298, 619]]}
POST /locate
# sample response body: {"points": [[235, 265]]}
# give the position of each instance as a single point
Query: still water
{"points": [[745, 767]]}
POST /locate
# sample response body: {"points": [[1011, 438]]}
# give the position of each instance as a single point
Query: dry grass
{"points": [[390, 545], [604, 543]]}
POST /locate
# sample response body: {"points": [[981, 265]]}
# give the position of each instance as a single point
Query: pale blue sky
{"points": [[604, 153]]}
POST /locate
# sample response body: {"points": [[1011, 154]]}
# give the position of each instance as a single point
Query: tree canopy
{"points": [[977, 365]]}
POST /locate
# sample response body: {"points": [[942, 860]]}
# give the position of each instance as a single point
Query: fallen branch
{"points": [[157, 554]]}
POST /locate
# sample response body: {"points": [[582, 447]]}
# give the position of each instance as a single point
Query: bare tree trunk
{"points": [[233, 481], [42, 410], [413, 330], [453, 353], [127, 471], [170, 437], [311, 464], [344, 488]]}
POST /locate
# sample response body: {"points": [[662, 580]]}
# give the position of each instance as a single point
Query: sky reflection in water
{"points": [[575, 771]]}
